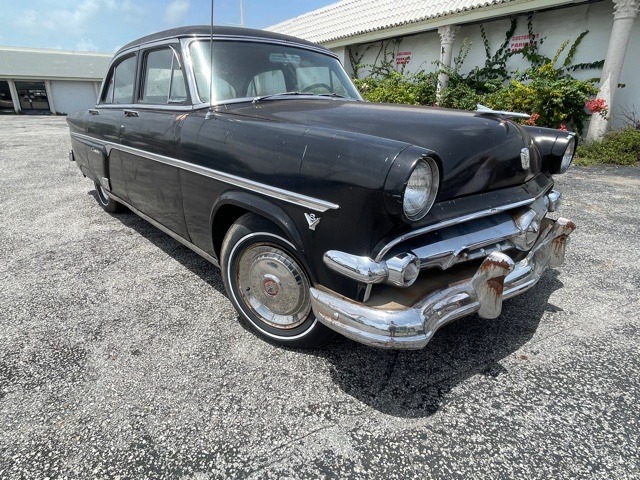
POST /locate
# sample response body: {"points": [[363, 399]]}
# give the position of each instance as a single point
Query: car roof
{"points": [[200, 30]]}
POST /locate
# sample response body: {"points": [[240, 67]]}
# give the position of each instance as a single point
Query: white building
{"points": [[434, 30], [49, 81]]}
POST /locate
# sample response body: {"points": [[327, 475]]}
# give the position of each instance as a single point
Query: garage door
{"points": [[69, 97]]}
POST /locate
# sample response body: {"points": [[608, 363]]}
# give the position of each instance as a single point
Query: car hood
{"points": [[478, 152]]}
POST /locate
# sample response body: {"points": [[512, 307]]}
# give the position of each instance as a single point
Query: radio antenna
{"points": [[211, 62]]}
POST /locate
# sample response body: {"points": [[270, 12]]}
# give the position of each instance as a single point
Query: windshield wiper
{"points": [[337, 95], [285, 94], [281, 94]]}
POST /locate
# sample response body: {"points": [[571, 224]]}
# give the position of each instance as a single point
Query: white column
{"points": [[447, 35], [14, 95], [47, 88], [343, 56], [624, 13]]}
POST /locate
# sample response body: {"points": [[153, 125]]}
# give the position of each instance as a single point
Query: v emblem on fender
{"points": [[312, 220]]}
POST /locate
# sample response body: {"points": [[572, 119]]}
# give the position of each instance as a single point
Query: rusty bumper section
{"points": [[498, 278]]}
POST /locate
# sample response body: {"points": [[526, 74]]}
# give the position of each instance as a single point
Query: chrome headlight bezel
{"points": [[423, 191], [569, 153]]}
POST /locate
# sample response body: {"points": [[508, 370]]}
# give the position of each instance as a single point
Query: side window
{"points": [[121, 82], [267, 83], [163, 78]]}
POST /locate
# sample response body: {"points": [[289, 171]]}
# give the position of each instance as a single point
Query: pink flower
{"points": [[597, 105], [532, 119], [563, 127]]}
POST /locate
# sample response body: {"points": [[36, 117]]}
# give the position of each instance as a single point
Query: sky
{"points": [[106, 25]]}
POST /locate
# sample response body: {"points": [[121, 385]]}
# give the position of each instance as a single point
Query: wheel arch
{"points": [[232, 205]]}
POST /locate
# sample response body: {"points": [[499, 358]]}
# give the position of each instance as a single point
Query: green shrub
{"points": [[620, 147], [459, 95], [551, 94], [546, 90], [395, 87]]}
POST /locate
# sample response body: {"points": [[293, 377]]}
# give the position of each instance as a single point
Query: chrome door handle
{"points": [[93, 111], [131, 113]]}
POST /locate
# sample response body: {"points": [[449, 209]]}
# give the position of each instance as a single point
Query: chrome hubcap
{"points": [[273, 286]]}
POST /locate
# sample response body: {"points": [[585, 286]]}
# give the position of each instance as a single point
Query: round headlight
{"points": [[568, 154], [421, 189]]}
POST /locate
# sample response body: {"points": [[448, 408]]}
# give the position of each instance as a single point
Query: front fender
{"points": [[221, 220]]}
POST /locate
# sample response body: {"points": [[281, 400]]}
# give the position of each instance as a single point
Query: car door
{"points": [[106, 123], [149, 136]]}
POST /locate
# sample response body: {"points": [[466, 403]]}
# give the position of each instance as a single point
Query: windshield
{"points": [[246, 70]]}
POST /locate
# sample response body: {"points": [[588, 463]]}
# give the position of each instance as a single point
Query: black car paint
{"points": [[492, 162], [332, 149]]}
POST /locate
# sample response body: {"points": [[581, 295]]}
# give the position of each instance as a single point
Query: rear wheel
{"points": [[268, 285], [106, 202]]}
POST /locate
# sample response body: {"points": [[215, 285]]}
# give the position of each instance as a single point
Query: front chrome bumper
{"points": [[497, 278]]}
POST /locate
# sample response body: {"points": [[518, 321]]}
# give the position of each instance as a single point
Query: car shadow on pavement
{"points": [[417, 383], [191, 260]]}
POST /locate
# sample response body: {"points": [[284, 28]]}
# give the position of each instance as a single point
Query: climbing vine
{"points": [[546, 88]]}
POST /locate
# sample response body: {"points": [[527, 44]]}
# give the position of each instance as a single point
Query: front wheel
{"points": [[106, 202], [268, 285]]}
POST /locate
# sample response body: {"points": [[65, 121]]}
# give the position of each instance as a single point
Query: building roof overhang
{"points": [[361, 21]]}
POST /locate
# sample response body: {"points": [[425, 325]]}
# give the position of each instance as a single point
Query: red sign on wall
{"points": [[518, 42], [403, 58]]}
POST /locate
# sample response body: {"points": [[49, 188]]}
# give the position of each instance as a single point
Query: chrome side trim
{"points": [[273, 192], [169, 232]]}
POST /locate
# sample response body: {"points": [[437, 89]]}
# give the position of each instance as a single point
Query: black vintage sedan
{"points": [[324, 212]]}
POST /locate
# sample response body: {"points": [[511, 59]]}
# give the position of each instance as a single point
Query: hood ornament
{"points": [[482, 110]]}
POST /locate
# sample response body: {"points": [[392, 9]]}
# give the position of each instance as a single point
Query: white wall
{"points": [[71, 96], [554, 26]]}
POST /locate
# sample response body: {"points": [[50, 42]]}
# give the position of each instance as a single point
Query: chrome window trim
{"points": [[114, 60], [154, 46], [268, 190], [146, 106]]}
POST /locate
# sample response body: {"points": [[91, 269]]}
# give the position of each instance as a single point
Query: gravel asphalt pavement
{"points": [[121, 356]]}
